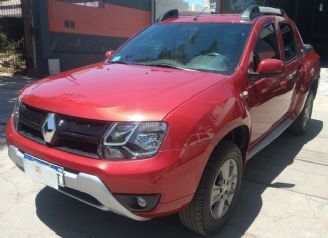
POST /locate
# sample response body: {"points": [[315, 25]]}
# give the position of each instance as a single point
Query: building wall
{"points": [[110, 20], [79, 32]]}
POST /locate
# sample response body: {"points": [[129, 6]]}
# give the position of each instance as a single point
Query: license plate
{"points": [[42, 171]]}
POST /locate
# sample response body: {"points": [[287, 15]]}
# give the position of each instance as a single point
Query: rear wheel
{"points": [[301, 124], [217, 192]]}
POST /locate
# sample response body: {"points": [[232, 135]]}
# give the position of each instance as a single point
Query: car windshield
{"points": [[212, 47]]}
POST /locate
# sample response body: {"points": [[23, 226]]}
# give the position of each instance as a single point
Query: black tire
{"points": [[301, 124], [198, 215]]}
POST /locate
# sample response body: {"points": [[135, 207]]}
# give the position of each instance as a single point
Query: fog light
{"points": [[138, 203], [142, 202]]}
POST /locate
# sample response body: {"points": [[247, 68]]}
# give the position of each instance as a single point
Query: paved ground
{"points": [[284, 194]]}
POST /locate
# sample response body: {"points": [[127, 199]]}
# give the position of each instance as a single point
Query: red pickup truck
{"points": [[167, 123]]}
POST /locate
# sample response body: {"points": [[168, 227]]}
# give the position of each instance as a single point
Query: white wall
{"points": [[162, 6], [196, 7], [239, 5]]}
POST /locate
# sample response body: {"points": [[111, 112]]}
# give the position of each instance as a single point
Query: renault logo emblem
{"points": [[49, 128]]}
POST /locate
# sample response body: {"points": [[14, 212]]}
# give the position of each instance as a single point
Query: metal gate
{"points": [[12, 58]]}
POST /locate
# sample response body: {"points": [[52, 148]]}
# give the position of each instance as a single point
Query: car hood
{"points": [[117, 92]]}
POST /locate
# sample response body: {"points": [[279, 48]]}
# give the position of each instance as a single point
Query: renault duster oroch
{"points": [[166, 124]]}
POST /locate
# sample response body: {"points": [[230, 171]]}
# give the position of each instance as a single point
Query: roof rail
{"points": [[255, 11], [174, 13]]}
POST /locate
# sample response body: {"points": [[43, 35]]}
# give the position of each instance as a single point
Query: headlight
{"points": [[16, 113], [132, 140]]}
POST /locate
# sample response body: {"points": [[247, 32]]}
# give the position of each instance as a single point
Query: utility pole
{"points": [[29, 51]]}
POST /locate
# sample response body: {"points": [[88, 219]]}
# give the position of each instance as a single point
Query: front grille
{"points": [[73, 135]]}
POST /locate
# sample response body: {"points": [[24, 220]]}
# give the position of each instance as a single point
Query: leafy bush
{"points": [[3, 42], [11, 53]]}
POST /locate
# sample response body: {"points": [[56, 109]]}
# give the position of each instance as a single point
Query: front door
{"points": [[267, 106]]}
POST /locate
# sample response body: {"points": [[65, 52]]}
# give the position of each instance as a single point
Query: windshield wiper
{"points": [[165, 66], [118, 62]]}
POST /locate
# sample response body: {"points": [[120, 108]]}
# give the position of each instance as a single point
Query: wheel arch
{"points": [[239, 135]]}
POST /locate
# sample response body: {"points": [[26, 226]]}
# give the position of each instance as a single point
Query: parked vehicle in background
{"points": [[166, 124]]}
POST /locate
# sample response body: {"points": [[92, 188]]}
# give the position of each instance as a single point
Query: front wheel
{"points": [[301, 124], [217, 192]]}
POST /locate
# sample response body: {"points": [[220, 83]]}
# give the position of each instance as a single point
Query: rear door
{"points": [[293, 61]]}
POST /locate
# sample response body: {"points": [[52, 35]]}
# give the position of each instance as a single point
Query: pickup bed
{"points": [[168, 121]]}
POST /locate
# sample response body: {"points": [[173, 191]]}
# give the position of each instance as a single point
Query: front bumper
{"points": [[172, 174], [85, 184]]}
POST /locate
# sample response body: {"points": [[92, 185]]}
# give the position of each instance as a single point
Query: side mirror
{"points": [[267, 68], [271, 67], [109, 54]]}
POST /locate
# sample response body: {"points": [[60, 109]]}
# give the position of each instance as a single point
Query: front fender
{"points": [[197, 126], [207, 117]]}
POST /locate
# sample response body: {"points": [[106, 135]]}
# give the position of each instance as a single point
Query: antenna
{"points": [[205, 8]]}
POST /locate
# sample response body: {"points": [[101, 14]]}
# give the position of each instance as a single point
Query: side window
{"points": [[289, 41], [267, 46]]}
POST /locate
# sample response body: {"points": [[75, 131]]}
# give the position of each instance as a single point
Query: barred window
{"points": [[86, 3]]}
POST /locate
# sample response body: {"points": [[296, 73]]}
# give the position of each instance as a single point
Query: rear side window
{"points": [[267, 45], [289, 41]]}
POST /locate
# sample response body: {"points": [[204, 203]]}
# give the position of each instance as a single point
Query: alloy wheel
{"points": [[223, 190], [308, 111]]}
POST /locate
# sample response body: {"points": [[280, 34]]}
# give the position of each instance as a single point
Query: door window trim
{"points": [[273, 23], [283, 43]]}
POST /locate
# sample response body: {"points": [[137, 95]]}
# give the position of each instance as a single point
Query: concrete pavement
{"points": [[284, 193]]}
